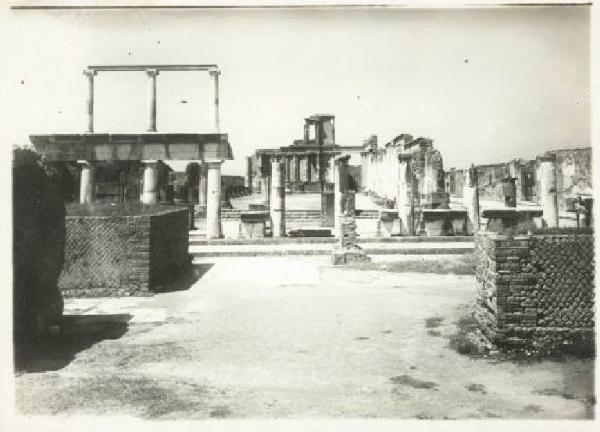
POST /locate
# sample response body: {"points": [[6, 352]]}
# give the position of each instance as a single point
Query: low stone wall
{"points": [[536, 291], [111, 256]]}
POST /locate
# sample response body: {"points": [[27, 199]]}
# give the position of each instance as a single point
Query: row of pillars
{"points": [[152, 74], [273, 191], [407, 188], [209, 190]]}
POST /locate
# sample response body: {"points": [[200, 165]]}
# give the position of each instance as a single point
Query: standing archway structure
{"points": [[210, 149]]}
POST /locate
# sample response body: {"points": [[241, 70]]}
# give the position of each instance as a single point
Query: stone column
{"points": [[277, 208], [152, 73], [248, 179], [90, 99], [87, 182], [404, 198], [309, 159], [150, 191], [471, 200], [202, 187], [548, 191], [214, 74], [340, 189], [288, 168], [213, 200], [265, 189], [331, 175], [296, 168]]}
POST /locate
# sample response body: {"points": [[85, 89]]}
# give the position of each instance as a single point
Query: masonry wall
{"points": [[536, 291], [573, 173], [112, 256]]}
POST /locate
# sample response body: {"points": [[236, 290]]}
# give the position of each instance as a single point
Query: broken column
{"points": [[213, 201], [149, 193], [548, 192], [87, 181], [347, 249], [471, 200], [277, 208], [340, 180], [405, 199]]}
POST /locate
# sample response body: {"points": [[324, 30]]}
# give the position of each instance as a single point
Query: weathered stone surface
{"points": [[536, 291]]}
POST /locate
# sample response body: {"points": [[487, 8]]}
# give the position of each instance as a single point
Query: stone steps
{"points": [[326, 248]]}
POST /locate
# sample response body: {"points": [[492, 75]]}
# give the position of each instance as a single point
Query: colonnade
{"points": [[210, 170]]}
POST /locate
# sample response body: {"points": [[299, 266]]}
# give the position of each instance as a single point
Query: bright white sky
{"points": [[486, 85]]}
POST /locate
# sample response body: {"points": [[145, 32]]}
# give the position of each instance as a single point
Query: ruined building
{"points": [[307, 162]]}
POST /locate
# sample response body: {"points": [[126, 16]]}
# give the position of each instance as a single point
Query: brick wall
{"points": [[536, 291], [111, 256]]}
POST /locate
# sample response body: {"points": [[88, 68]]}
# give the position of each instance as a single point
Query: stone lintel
{"points": [[133, 147]]}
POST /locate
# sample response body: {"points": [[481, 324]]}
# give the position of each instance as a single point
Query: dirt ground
{"points": [[290, 337]]}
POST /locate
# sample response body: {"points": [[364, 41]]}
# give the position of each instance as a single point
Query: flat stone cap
{"points": [[130, 147]]}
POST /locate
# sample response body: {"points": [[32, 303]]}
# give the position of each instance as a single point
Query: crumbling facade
{"points": [[573, 177], [381, 176], [308, 162]]}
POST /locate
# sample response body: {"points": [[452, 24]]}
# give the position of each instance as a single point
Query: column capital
{"points": [[149, 162], [404, 158], [152, 72], [86, 163], [214, 73], [90, 73]]}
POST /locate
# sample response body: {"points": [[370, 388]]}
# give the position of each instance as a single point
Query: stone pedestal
{"points": [[150, 191], [548, 192], [277, 204], [87, 182], [387, 221], [213, 201], [253, 224]]}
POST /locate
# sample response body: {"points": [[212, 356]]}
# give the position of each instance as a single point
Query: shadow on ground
{"points": [[77, 333], [189, 278]]}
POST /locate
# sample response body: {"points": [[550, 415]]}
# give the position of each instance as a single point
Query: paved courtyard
{"points": [[291, 337]]}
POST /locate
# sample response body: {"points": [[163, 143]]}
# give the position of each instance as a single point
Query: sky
{"points": [[487, 85]]}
